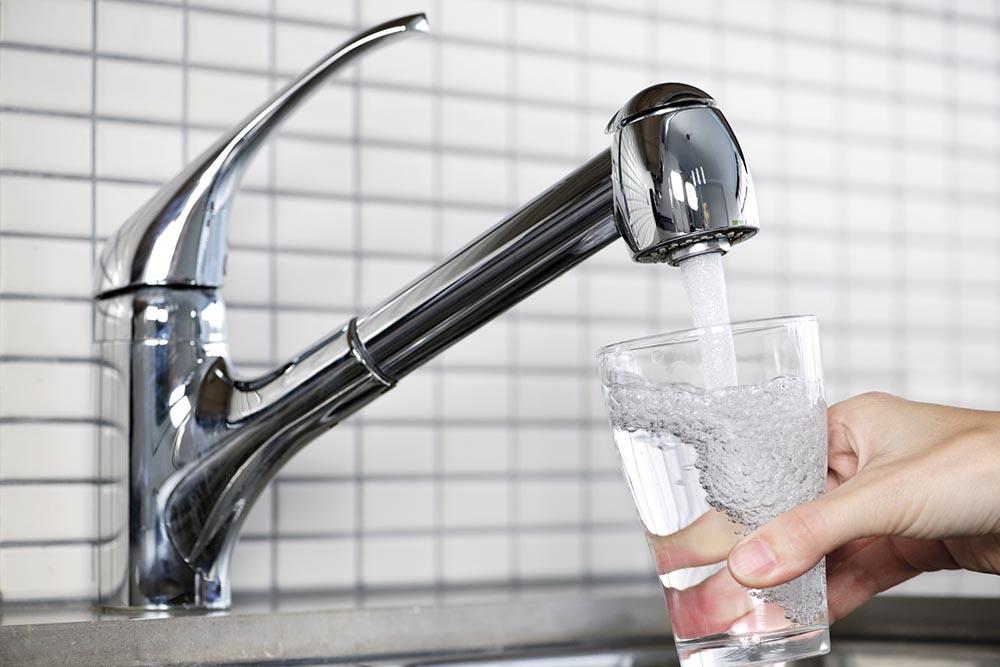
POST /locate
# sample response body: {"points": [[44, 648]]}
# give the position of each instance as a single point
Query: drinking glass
{"points": [[708, 461]]}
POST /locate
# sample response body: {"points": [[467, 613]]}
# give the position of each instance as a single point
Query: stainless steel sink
{"points": [[846, 653], [575, 631]]}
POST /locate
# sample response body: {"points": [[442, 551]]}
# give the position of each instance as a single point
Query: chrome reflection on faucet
{"points": [[194, 445], [681, 183]]}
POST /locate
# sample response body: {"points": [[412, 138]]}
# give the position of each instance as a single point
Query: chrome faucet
{"points": [[193, 446]]}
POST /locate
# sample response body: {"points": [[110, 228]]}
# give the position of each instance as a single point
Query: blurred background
{"points": [[871, 129]]}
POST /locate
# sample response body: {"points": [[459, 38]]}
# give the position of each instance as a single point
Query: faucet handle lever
{"points": [[178, 237]]}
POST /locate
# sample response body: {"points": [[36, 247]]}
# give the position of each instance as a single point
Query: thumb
{"points": [[792, 543]]}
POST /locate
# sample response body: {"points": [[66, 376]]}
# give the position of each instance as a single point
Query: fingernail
{"points": [[752, 558]]}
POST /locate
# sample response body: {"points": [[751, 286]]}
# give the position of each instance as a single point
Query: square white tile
{"points": [[480, 449], [404, 228], [135, 90], [251, 567], [26, 267], [48, 451], [310, 564], [152, 31], [549, 502], [317, 168], [223, 98], [129, 150], [474, 68], [32, 513], [475, 179], [545, 345], [621, 552], [332, 453], [476, 504], [397, 505], [549, 555], [47, 81], [314, 280], [559, 450], [45, 144], [298, 47], [470, 122], [548, 77], [315, 507], [60, 23], [398, 560], [48, 572], [396, 116], [40, 328], [38, 205], [476, 395], [240, 41], [46, 389], [308, 9], [408, 62], [486, 20], [314, 222], [476, 557], [398, 450], [381, 169]]}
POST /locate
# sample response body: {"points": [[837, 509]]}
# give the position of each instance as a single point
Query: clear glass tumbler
{"points": [[707, 464]]}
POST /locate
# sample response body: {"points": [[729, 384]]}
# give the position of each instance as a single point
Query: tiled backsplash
{"points": [[871, 127]]}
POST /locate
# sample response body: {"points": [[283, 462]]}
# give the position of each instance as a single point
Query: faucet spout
{"points": [[263, 422], [191, 445]]}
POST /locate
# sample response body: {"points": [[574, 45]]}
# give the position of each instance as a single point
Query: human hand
{"points": [[911, 487]]}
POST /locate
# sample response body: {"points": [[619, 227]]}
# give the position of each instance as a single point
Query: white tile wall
{"points": [[871, 128]]}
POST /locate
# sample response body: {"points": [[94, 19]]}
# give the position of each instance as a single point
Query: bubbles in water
{"points": [[803, 598], [760, 450]]}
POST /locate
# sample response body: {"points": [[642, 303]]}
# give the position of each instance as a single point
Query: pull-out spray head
{"points": [[681, 183]]}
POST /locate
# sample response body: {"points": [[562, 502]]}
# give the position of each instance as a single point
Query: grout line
{"points": [[102, 464], [842, 134], [508, 372], [272, 297], [772, 179], [782, 87], [606, 7], [57, 481], [807, 85], [436, 371], [898, 211], [612, 11], [570, 526], [868, 329], [587, 542], [376, 478], [966, 242], [360, 419], [842, 246], [514, 528], [952, 241]]}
